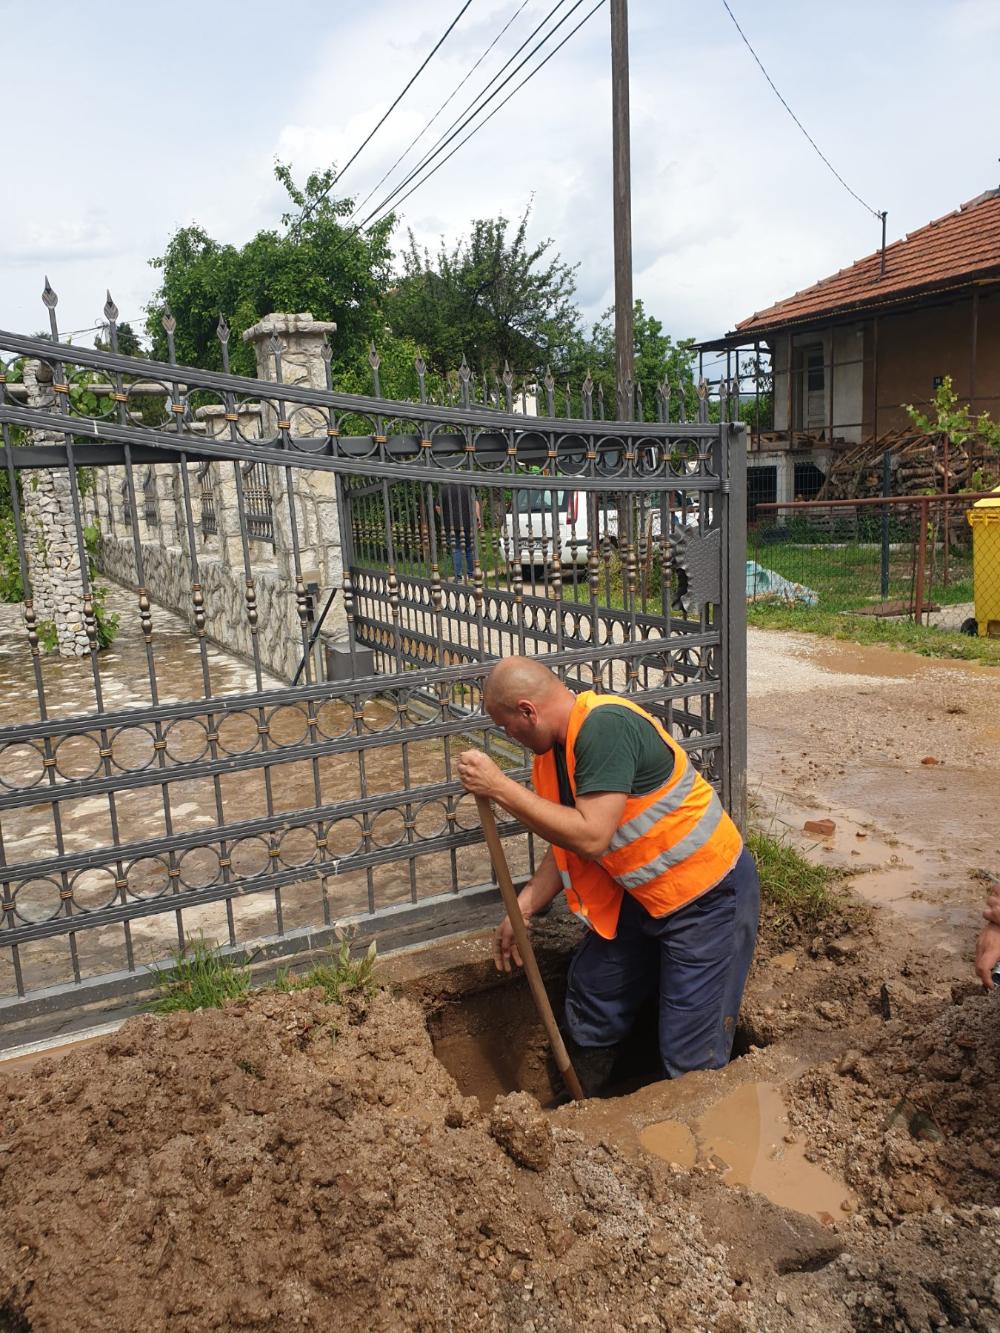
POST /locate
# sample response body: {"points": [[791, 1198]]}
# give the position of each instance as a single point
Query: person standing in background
{"points": [[461, 515]]}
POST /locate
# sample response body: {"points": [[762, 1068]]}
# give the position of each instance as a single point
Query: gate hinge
{"points": [[725, 488]]}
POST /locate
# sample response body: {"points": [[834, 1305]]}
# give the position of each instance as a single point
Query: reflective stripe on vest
{"points": [[693, 842], [667, 805], [673, 844], [574, 899]]}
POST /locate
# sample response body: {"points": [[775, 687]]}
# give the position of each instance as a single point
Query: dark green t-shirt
{"points": [[616, 750]]}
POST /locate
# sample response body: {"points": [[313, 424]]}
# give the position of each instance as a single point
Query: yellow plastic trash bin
{"points": [[984, 519]]}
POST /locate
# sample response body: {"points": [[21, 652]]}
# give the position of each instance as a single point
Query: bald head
{"points": [[529, 701], [518, 678]]}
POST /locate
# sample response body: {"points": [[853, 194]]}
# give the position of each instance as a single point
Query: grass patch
{"points": [[199, 978], [848, 575], [796, 890], [339, 978], [922, 639]]}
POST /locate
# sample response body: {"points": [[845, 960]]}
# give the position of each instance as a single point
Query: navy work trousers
{"points": [[697, 958], [463, 545]]}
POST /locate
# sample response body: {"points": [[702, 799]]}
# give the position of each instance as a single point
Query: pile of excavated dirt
{"points": [[283, 1163], [909, 1112], [287, 1164]]}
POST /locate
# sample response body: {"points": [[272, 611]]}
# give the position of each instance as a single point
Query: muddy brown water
{"points": [[746, 1136], [492, 1043]]}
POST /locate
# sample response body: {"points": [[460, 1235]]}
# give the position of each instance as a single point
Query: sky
{"points": [[142, 118]]}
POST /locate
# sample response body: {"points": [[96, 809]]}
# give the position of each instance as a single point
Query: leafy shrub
{"points": [[11, 586]]}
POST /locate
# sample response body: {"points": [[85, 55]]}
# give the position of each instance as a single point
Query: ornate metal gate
{"points": [[310, 587]]}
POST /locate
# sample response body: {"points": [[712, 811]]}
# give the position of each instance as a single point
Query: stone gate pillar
{"points": [[302, 340], [50, 532], [227, 540]]}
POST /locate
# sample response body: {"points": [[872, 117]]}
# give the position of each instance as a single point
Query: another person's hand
{"points": [[479, 774], [987, 954], [991, 913]]}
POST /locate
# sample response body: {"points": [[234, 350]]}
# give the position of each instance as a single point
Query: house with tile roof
{"points": [[848, 352]]}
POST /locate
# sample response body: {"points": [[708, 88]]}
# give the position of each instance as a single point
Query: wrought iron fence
{"points": [[257, 501], [181, 780]]}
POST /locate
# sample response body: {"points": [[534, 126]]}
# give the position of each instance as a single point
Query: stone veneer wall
{"points": [[168, 580], [50, 533], [227, 593]]}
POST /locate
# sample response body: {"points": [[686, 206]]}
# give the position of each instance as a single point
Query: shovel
{"points": [[523, 942]]}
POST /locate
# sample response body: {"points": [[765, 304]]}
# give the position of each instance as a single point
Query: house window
{"points": [[811, 397], [762, 488]]}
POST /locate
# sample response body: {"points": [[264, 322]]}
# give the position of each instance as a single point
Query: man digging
{"points": [[647, 857]]}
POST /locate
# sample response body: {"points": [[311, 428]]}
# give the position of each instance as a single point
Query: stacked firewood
{"points": [[918, 464]]}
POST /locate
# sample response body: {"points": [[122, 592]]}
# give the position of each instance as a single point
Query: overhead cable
{"points": [[399, 97], [475, 130], [447, 138], [874, 212], [472, 109], [458, 87]]}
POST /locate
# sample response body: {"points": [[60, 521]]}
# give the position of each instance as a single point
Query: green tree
{"points": [[656, 355], [493, 297], [314, 262], [128, 342], [757, 409]]}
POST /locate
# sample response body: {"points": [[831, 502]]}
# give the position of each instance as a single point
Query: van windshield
{"points": [[539, 502]]}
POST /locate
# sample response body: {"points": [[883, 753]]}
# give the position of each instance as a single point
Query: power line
{"points": [[97, 328], [404, 90], [413, 142], [447, 137], [874, 212], [472, 109], [477, 128]]}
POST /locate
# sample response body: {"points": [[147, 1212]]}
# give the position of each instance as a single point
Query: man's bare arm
{"points": [[586, 829], [536, 895]]}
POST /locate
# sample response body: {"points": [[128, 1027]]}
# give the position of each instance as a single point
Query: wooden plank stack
{"points": [[918, 466]]}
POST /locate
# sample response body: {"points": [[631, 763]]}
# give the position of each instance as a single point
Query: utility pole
{"points": [[621, 188]]}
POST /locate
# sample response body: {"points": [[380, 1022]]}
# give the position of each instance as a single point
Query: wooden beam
{"points": [[875, 378]]}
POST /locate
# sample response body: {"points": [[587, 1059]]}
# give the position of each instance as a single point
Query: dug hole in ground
{"points": [[285, 1162]]}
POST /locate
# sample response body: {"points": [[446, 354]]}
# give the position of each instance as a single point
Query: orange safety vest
{"points": [[671, 846]]}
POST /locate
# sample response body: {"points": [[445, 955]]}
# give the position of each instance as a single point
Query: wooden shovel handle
{"points": [[523, 942]]}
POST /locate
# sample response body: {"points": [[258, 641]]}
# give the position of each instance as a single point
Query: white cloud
{"points": [[58, 241], [731, 207]]}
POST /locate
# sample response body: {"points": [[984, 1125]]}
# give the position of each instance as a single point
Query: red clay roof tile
{"points": [[960, 245]]}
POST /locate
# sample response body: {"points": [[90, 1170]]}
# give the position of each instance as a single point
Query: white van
{"points": [[545, 519], [537, 531]]}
